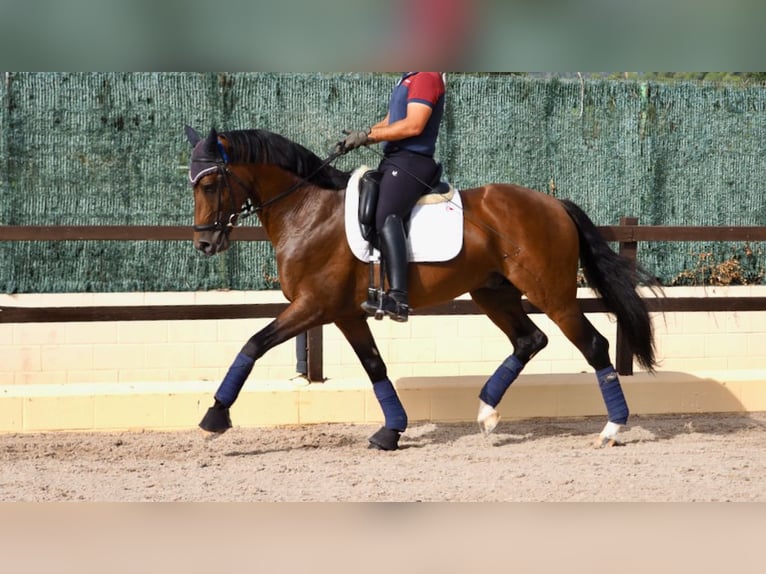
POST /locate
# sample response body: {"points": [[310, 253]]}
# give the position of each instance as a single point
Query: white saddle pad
{"points": [[436, 228]]}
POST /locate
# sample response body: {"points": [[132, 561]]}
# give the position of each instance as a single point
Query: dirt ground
{"points": [[665, 458]]}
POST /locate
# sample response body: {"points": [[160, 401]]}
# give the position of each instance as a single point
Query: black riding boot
{"points": [[393, 247]]}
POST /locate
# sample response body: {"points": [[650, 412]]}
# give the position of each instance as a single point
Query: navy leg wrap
{"points": [[393, 411], [234, 380], [616, 407], [494, 389]]}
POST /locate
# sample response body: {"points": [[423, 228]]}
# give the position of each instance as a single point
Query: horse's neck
{"points": [[267, 184], [292, 214]]}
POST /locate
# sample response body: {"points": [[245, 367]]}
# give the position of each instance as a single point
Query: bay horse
{"points": [[516, 241]]}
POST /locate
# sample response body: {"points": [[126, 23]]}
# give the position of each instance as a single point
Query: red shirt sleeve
{"points": [[426, 88]]}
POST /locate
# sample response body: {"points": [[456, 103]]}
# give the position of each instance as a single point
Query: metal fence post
{"points": [[301, 354], [315, 351], [624, 353]]}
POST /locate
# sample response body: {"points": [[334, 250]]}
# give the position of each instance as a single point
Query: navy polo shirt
{"points": [[424, 88]]}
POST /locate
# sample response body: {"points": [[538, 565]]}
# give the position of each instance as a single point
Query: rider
{"points": [[409, 131]]}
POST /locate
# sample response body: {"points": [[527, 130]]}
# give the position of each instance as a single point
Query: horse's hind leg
{"points": [[595, 348], [358, 334], [502, 304]]}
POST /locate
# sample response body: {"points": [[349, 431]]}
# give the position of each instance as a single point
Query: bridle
{"points": [[221, 163], [248, 208]]}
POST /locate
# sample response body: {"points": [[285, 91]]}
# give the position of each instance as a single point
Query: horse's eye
{"points": [[209, 188]]}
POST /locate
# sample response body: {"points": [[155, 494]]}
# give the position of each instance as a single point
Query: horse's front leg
{"points": [[292, 321], [358, 334]]}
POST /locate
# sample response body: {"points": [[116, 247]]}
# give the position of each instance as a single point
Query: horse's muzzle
{"points": [[212, 242]]}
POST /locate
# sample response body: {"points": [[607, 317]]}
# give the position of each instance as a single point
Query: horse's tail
{"points": [[615, 278]]}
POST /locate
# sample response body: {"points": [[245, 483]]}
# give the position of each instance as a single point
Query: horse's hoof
{"points": [[385, 439], [209, 437], [606, 442], [488, 418], [608, 436], [216, 419]]}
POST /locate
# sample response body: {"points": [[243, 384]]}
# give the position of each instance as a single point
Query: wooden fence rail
{"points": [[627, 234]]}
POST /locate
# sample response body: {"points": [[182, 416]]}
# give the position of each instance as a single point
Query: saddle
{"points": [[369, 192]]}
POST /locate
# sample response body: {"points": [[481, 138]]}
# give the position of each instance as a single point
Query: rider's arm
{"points": [[411, 125]]}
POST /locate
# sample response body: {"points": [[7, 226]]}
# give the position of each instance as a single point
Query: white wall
{"points": [[168, 351]]}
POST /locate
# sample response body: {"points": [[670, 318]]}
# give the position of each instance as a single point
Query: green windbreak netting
{"points": [[108, 148]]}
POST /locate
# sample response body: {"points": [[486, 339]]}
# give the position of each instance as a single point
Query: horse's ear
{"points": [[192, 135], [211, 142], [212, 136]]}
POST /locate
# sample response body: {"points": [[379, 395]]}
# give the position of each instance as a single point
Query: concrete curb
{"points": [[180, 405]]}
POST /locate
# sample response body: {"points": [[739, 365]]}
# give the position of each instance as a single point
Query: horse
{"points": [[516, 242]]}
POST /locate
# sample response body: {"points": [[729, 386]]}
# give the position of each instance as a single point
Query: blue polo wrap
{"points": [[393, 411], [494, 389], [234, 380], [616, 406]]}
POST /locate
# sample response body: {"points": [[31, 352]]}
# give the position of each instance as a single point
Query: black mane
{"points": [[261, 146]]}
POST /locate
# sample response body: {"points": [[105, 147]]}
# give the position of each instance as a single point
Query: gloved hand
{"points": [[353, 140]]}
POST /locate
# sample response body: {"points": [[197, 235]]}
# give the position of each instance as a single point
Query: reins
{"points": [[302, 181], [248, 208]]}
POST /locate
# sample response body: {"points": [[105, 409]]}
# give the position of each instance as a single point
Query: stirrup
{"points": [[386, 305], [373, 306]]}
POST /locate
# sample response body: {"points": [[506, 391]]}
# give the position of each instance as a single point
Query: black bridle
{"points": [[237, 213], [248, 208]]}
